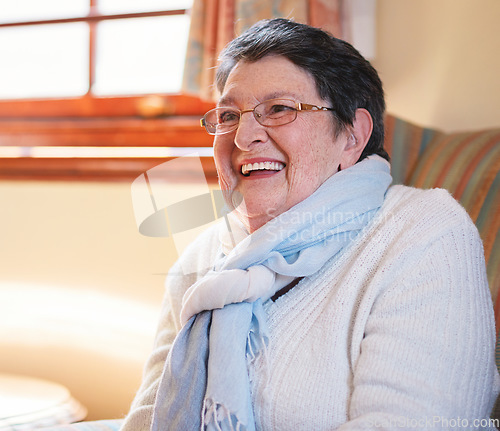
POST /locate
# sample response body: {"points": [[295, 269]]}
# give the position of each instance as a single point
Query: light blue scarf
{"points": [[205, 382]]}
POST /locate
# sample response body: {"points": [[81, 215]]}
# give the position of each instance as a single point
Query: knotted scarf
{"points": [[205, 382]]}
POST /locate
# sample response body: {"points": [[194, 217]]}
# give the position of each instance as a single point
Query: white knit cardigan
{"points": [[397, 332]]}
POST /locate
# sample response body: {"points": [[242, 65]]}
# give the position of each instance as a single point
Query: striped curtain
{"points": [[215, 22]]}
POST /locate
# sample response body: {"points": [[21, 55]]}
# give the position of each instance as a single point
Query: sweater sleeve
{"points": [[141, 411], [427, 356], [194, 262]]}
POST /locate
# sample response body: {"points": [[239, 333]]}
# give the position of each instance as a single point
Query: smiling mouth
{"points": [[248, 168]]}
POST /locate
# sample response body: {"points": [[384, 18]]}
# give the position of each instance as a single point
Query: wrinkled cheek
{"points": [[227, 180], [302, 182], [226, 183], [222, 157], [227, 186]]}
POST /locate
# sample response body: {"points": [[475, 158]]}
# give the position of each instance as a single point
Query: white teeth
{"points": [[268, 166]]}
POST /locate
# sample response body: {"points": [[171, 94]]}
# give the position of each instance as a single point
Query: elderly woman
{"points": [[326, 299]]}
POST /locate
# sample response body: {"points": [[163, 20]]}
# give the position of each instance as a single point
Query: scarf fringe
{"points": [[217, 417], [257, 343]]}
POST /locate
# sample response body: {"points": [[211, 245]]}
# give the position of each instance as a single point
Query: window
{"points": [[90, 89]]}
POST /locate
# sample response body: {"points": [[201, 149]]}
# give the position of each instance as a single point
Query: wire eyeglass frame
{"points": [[272, 113]]}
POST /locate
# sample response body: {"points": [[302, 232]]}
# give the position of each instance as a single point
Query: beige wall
{"points": [[80, 289], [81, 235], [440, 61]]}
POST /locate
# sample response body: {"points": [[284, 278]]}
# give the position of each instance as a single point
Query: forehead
{"points": [[268, 78]]}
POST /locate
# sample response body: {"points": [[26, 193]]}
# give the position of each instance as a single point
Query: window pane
{"points": [[140, 55], [44, 61], [121, 6], [30, 10]]}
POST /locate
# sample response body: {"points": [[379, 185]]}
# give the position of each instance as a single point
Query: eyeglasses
{"points": [[273, 112]]}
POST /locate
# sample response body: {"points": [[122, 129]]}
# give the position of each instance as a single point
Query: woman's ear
{"points": [[357, 139]]}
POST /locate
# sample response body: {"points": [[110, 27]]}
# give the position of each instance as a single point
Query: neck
{"points": [[252, 222]]}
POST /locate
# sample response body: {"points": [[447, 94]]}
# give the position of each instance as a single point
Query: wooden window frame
{"points": [[163, 120]]}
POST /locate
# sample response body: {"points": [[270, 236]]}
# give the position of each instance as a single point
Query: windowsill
{"points": [[27, 138]]}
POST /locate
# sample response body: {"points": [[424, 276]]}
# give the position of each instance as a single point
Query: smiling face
{"points": [[274, 168]]}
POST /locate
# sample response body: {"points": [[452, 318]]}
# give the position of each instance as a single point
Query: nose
{"points": [[249, 132]]}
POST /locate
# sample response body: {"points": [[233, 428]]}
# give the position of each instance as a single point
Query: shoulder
{"points": [[437, 200], [413, 221], [433, 211], [196, 259], [423, 244], [200, 254]]}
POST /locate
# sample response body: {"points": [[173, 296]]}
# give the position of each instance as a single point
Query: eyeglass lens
{"points": [[274, 112]]}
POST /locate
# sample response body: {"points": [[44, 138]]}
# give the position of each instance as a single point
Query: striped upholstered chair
{"points": [[466, 164]]}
